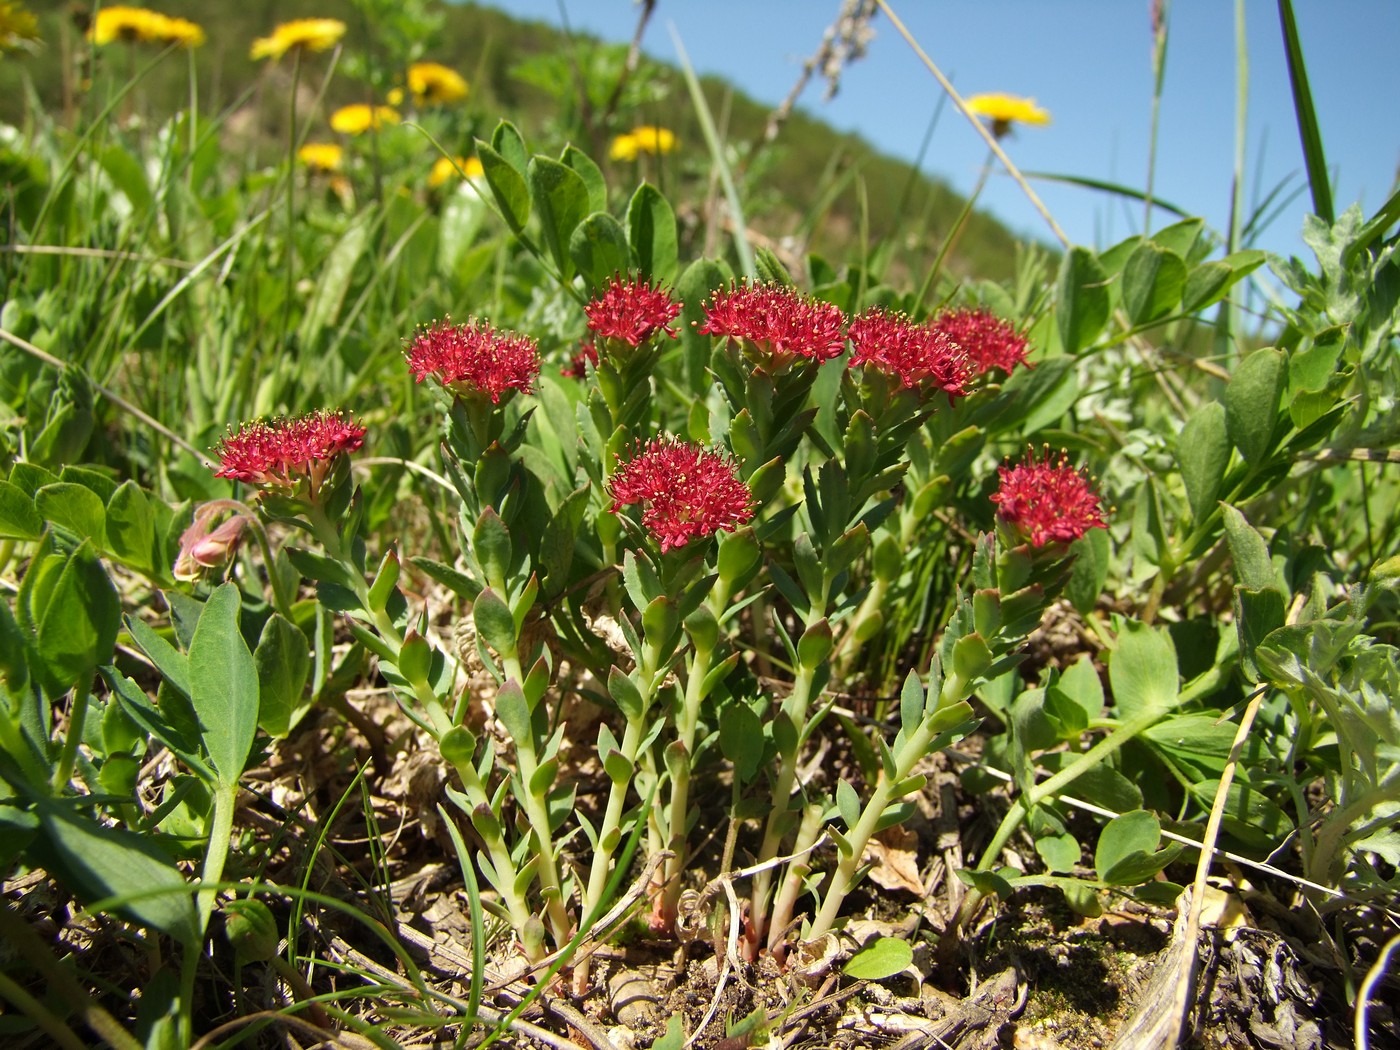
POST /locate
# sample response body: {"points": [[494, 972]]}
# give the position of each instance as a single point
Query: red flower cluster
{"points": [[686, 490], [987, 340], [284, 452], [777, 319], [577, 368], [920, 357], [632, 311], [473, 359], [1047, 501]]}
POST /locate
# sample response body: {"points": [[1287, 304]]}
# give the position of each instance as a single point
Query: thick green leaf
{"points": [[97, 862], [19, 519], [1153, 280], [507, 186], [560, 197], [882, 958], [1142, 670], [283, 661], [75, 508], [492, 547], [1252, 402], [77, 629], [1254, 567], [1090, 571], [651, 231], [599, 249], [1203, 453], [224, 685], [741, 740], [1083, 300], [153, 720], [494, 623]]}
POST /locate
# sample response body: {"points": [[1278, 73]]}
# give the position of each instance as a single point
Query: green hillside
{"points": [[813, 187]]}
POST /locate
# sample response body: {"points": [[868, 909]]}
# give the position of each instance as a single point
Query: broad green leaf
{"points": [[128, 175], [847, 804], [492, 546], [19, 519], [507, 186], [1203, 453], [651, 231], [1206, 285], [507, 141], [1126, 837], [77, 629], [1142, 670], [560, 198], [1252, 402], [582, 165], [1083, 300], [514, 710], [97, 862], [131, 531], [283, 661], [882, 958], [1180, 238], [626, 694], [224, 685], [1059, 852], [75, 508], [599, 249], [1250, 816], [1153, 280], [173, 665]]}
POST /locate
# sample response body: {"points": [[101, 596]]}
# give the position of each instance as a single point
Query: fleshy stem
{"points": [[704, 645]]}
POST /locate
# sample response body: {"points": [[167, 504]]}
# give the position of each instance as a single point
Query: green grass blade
{"points": [[1308, 131], [726, 176]]}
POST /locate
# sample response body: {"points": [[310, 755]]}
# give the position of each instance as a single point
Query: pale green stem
{"points": [[1052, 786], [63, 770], [796, 873], [680, 786], [796, 705]]}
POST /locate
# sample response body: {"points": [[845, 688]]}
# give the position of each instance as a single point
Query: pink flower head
{"points": [[577, 368], [632, 311], [685, 490], [1047, 501], [987, 340], [473, 359], [282, 453], [918, 356], [205, 547], [782, 323]]}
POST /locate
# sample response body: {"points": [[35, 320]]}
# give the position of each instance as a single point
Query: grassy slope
{"points": [[899, 209]]}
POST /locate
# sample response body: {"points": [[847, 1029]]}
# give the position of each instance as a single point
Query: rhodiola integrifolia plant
{"points": [[698, 586]]}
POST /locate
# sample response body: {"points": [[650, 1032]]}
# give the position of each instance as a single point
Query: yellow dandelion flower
{"points": [[305, 34], [359, 118], [624, 147], [394, 97], [445, 169], [432, 84], [18, 27], [654, 140], [321, 156], [140, 25], [1005, 110]]}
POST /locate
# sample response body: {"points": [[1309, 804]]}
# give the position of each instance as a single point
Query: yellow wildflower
{"points": [[654, 140], [306, 34], [359, 118], [444, 168], [624, 147], [321, 156], [139, 25], [435, 85], [1005, 110], [394, 97], [18, 27]]}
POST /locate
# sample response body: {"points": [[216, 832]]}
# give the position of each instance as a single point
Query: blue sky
{"points": [[1089, 63]]}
